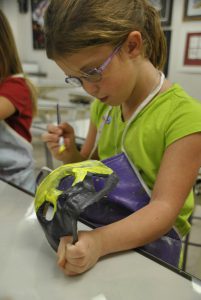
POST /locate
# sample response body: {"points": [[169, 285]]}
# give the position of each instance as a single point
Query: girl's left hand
{"points": [[78, 258]]}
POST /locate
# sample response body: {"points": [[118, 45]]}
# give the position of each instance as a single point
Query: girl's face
{"points": [[118, 78]]}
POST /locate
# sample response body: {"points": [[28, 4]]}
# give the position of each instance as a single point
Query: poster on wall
{"points": [[168, 40], [165, 9], [38, 8], [192, 56]]}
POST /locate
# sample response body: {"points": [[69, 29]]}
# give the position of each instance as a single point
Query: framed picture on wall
{"points": [[38, 8], [165, 9], [192, 55], [168, 41], [188, 54], [192, 10]]}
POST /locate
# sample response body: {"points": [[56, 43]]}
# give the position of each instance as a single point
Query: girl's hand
{"points": [[52, 139], [78, 258]]}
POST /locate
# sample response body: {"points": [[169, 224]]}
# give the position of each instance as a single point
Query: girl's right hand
{"points": [[51, 138]]}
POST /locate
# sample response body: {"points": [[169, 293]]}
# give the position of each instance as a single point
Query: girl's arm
{"points": [[177, 174], [6, 108]]}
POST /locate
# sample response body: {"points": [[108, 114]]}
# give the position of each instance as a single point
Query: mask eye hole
{"points": [[48, 211]]}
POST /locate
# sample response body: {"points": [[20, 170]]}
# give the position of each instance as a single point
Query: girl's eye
{"points": [[89, 71], [92, 72], [93, 75]]}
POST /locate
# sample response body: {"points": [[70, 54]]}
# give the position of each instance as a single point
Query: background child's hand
{"points": [[52, 139], [78, 258]]}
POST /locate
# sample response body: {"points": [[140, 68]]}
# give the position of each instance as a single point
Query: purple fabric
{"points": [[127, 197]]}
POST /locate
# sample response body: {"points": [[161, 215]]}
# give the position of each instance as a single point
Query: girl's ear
{"points": [[134, 44]]}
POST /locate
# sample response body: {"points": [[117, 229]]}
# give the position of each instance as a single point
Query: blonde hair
{"points": [[10, 62], [71, 25]]}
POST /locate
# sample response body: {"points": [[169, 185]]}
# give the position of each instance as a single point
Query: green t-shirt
{"points": [[168, 117]]}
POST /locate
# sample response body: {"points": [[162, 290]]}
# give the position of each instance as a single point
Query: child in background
{"points": [[17, 108], [116, 50]]}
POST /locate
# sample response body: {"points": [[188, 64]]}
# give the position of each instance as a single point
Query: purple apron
{"points": [[128, 196], [101, 201]]}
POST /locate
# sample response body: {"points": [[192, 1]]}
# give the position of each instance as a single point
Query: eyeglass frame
{"points": [[98, 70]]}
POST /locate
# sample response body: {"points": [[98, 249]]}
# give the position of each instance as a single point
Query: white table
{"points": [[28, 269]]}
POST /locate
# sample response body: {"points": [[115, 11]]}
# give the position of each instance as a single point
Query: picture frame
{"points": [[192, 54], [192, 10], [38, 8], [165, 9], [185, 62]]}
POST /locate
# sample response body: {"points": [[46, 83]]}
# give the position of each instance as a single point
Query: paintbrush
{"points": [[61, 139]]}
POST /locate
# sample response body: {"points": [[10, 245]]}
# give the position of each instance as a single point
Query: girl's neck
{"points": [[147, 80]]}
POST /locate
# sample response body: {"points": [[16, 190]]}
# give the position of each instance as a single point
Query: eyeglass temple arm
{"points": [[102, 67]]}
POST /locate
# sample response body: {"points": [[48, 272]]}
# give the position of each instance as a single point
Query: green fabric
{"points": [[168, 117]]}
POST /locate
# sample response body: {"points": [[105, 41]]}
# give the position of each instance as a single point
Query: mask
{"points": [[68, 191]]}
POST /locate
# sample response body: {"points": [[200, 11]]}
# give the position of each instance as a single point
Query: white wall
{"points": [[191, 81], [21, 24]]}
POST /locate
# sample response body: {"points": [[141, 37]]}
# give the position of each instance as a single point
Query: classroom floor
{"points": [[193, 263]]}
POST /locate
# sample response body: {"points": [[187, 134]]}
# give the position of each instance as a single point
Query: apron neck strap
{"points": [[142, 106], [136, 112]]}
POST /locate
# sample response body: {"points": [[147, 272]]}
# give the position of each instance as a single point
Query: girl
{"points": [[116, 50], [17, 108]]}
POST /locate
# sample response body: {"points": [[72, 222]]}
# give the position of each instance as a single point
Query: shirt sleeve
{"points": [[184, 119], [16, 91]]}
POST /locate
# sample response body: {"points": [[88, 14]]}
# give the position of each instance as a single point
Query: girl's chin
{"points": [[104, 99], [109, 101]]}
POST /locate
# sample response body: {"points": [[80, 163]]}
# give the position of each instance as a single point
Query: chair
{"points": [[187, 242]]}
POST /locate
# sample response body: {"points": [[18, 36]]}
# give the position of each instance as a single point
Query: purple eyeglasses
{"points": [[93, 75]]}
